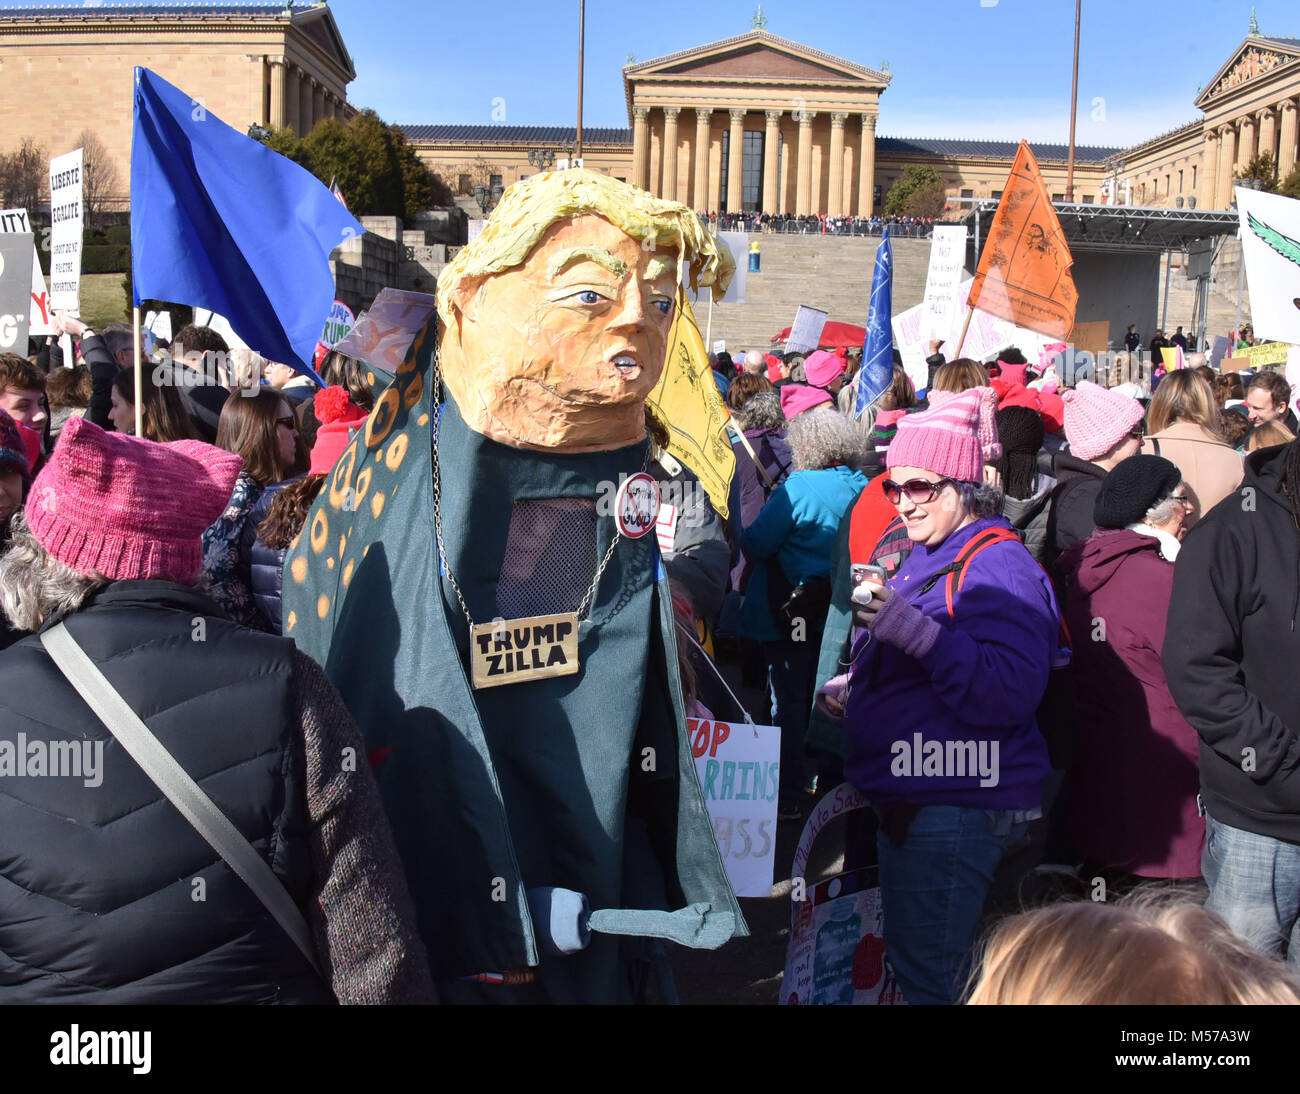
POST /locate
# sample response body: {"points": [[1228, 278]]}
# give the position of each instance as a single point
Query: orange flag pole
{"points": [[964, 328]]}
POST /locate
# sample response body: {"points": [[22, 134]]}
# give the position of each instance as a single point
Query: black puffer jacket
{"points": [[1231, 651], [1070, 521], [107, 894], [267, 563]]}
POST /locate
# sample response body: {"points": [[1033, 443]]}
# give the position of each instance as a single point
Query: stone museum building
{"points": [[65, 68], [756, 122]]}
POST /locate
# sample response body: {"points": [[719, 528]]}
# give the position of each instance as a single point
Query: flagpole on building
{"points": [[139, 383], [582, 22], [1074, 103]]}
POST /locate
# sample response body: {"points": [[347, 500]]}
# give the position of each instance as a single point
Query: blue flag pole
{"points": [[877, 371]]}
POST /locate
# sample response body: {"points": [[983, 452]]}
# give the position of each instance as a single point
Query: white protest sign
{"points": [[910, 335], [806, 330], [15, 220], [737, 243], [219, 323], [1270, 244], [159, 324], [14, 292], [474, 226], [942, 281], [740, 771], [65, 233], [339, 321], [987, 334]]}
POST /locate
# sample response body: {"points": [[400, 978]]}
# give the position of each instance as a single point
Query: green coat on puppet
{"points": [[553, 329]]}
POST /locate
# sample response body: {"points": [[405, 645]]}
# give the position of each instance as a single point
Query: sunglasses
{"points": [[918, 491]]}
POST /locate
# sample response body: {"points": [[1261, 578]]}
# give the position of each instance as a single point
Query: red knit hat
{"points": [[339, 417], [126, 508], [1096, 420], [954, 439]]}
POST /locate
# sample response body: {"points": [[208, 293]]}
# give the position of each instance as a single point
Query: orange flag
{"points": [[1024, 273]]}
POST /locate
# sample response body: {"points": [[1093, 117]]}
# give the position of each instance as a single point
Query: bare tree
{"points": [[24, 177], [98, 177]]}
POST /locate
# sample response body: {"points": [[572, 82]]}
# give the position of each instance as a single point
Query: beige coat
{"points": [[1210, 468]]}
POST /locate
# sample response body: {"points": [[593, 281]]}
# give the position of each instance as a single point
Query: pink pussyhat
{"points": [[126, 508], [955, 439], [796, 398], [1096, 420]]}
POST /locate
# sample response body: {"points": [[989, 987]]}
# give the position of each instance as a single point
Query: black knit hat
{"points": [[1132, 488], [1020, 432]]}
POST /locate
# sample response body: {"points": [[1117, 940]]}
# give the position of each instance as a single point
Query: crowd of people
{"points": [[818, 224], [1047, 630]]}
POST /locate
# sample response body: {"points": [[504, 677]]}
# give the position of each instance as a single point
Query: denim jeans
{"points": [[1254, 885], [933, 890], [791, 669]]}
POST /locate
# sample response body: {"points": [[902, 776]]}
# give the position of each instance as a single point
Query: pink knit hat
{"points": [[796, 398], [955, 439], [126, 508], [821, 367], [1096, 420]]}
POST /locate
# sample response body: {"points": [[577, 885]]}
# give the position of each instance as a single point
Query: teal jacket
{"points": [[796, 528]]}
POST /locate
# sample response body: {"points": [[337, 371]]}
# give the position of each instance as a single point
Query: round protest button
{"points": [[636, 506]]}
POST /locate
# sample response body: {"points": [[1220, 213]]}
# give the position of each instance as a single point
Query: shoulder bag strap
{"points": [[182, 791]]}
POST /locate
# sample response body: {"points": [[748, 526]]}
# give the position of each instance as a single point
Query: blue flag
{"points": [[878, 349], [220, 221]]}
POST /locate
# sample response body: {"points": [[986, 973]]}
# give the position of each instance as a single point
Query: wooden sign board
{"points": [[1234, 364], [1093, 337], [510, 651]]}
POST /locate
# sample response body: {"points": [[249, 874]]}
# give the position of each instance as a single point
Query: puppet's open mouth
{"points": [[627, 366]]}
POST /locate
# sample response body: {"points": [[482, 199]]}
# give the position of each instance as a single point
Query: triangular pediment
{"points": [[1255, 57], [756, 55], [317, 24]]}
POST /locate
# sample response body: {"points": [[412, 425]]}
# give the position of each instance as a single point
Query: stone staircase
{"points": [[828, 272]]}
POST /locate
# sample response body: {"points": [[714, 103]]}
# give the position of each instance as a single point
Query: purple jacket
{"points": [[957, 726], [1132, 786], [773, 452]]}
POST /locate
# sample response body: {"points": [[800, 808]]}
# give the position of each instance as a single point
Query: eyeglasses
{"points": [[1183, 498], [918, 491], [289, 422]]}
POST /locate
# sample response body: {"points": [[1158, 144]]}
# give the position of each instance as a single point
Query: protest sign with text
{"points": [[1270, 245], [740, 770], [16, 220], [65, 232], [15, 291]]}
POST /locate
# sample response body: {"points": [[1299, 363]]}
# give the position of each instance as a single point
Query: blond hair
{"points": [[1268, 435], [1152, 947], [1184, 395], [960, 375], [529, 208]]}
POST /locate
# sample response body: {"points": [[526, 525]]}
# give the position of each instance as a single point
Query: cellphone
{"points": [[860, 571]]}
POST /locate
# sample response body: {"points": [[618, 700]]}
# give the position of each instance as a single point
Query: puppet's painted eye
{"points": [[664, 306], [589, 297]]}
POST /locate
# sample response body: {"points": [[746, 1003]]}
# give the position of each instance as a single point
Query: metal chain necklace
{"points": [[513, 650]]}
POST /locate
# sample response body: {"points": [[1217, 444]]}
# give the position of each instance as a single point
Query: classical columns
{"points": [[835, 191], [700, 193], [640, 146], [1267, 131], [771, 154], [735, 160], [1246, 142], [803, 177], [867, 179], [1286, 149], [668, 188], [292, 120], [1209, 172], [276, 117], [304, 105], [317, 102], [1227, 163]]}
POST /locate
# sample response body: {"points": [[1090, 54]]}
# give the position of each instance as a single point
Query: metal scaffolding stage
{"points": [[1117, 251]]}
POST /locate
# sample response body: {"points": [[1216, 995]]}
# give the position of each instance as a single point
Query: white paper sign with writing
{"points": [[15, 220], [739, 766], [947, 256], [65, 232]]}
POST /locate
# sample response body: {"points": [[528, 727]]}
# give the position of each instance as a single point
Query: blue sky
{"points": [[960, 68]]}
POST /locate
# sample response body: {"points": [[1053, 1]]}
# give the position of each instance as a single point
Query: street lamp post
{"points": [[541, 159]]}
